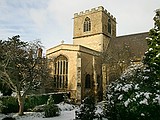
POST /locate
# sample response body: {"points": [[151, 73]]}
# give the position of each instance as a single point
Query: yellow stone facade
{"points": [[98, 37], [84, 61], [78, 68]]}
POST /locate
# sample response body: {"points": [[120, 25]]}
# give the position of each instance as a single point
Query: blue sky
{"points": [[51, 21]]}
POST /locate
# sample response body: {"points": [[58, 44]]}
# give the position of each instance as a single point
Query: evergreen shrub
{"points": [[8, 104], [36, 100]]}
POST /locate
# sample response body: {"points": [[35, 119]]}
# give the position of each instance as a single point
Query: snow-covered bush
{"points": [[131, 97], [136, 94], [51, 109], [87, 109]]}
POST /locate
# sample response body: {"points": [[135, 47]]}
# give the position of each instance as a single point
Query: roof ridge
{"points": [[133, 34]]}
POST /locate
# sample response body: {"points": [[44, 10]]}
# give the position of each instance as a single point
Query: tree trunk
{"points": [[21, 105]]}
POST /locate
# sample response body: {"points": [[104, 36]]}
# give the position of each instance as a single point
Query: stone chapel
{"points": [[96, 56]]}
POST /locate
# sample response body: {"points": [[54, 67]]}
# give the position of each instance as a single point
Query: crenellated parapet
{"points": [[93, 10]]}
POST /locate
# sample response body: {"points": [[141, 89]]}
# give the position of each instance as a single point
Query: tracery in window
{"points": [[87, 24], [109, 26], [61, 72]]}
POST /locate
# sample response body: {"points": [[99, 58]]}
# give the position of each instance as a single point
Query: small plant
{"points": [[51, 109]]}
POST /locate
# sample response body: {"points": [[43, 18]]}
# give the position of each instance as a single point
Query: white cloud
{"points": [[51, 20], [39, 17]]}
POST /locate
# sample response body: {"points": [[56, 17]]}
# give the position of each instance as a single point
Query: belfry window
{"points": [[109, 26], [61, 72], [87, 24], [88, 81]]}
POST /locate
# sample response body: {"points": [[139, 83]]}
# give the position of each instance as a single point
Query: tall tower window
{"points": [[109, 26], [87, 24], [61, 72]]}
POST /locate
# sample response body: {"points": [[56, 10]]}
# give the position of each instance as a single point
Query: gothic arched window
{"points": [[88, 81], [109, 26], [61, 72], [87, 24]]}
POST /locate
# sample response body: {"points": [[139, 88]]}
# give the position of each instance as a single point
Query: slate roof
{"points": [[136, 44]]}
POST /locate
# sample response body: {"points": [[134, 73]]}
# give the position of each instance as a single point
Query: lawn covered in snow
{"points": [[67, 113]]}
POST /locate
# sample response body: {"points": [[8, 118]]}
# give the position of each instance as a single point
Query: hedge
{"points": [[9, 104]]}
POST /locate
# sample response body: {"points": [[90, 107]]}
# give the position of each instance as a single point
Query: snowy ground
{"points": [[67, 113]]}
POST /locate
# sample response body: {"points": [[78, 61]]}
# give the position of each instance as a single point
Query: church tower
{"points": [[94, 28]]}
